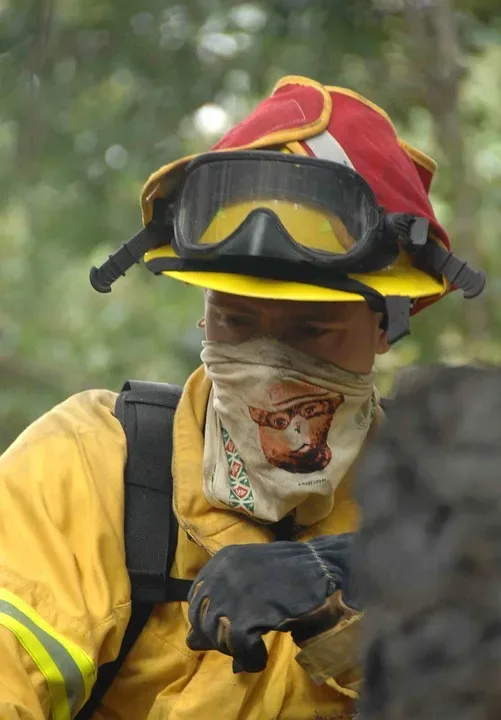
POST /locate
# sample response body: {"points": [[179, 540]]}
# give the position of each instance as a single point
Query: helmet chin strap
{"points": [[395, 310], [397, 319]]}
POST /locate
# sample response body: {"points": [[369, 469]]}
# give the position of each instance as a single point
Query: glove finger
{"points": [[198, 609], [194, 590], [248, 648], [196, 640], [237, 666], [253, 660], [224, 635], [252, 655]]}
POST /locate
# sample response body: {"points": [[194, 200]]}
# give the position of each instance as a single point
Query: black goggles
{"points": [[268, 206], [284, 216], [272, 205]]}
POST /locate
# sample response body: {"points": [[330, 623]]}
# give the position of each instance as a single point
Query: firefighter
{"points": [[310, 229]]}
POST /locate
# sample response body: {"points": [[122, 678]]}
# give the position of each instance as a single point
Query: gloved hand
{"points": [[245, 591]]}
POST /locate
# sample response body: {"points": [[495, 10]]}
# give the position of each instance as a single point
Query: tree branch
{"points": [[30, 127], [434, 48]]}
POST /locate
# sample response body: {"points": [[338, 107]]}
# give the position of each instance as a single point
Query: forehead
{"points": [[289, 308]]}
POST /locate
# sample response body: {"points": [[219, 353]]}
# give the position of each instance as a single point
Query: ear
{"points": [[382, 344]]}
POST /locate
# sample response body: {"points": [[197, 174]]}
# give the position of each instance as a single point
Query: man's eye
{"points": [[313, 331], [237, 320]]}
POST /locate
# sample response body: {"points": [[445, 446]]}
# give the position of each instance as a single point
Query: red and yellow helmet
{"points": [[312, 197], [306, 118]]}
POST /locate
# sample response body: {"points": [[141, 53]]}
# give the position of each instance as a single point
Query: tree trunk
{"points": [[30, 122], [428, 555]]}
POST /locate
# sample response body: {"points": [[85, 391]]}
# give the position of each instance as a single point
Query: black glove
{"points": [[245, 591]]}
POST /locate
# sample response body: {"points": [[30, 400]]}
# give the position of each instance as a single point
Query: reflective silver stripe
{"points": [[326, 147], [73, 679]]}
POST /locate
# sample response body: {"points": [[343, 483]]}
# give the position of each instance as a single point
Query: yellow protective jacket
{"points": [[65, 592]]}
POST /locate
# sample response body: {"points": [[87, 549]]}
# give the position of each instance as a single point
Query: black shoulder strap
{"points": [[146, 411]]}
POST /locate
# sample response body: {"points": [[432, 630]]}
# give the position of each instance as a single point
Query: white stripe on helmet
{"points": [[325, 147]]}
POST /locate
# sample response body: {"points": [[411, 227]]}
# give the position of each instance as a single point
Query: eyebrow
{"points": [[236, 308], [322, 315], [308, 314], [324, 321]]}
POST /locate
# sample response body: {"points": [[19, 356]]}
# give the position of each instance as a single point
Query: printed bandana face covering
{"points": [[282, 429]]}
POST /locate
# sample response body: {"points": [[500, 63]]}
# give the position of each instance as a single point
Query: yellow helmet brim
{"points": [[401, 279]]}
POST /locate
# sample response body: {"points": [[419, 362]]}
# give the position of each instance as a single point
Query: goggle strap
{"points": [[269, 268], [128, 254]]}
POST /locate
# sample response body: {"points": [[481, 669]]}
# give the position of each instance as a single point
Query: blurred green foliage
{"points": [[96, 94]]}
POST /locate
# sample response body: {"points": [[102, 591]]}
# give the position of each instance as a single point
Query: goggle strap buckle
{"points": [[411, 232], [162, 212], [456, 271]]}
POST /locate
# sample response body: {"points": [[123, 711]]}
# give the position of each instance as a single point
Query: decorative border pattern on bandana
{"points": [[361, 420], [241, 495]]}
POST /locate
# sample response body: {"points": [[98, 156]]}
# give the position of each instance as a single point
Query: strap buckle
{"points": [[412, 234]]}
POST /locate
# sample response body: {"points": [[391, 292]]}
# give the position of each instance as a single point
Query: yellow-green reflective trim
{"points": [[55, 681], [68, 671]]}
